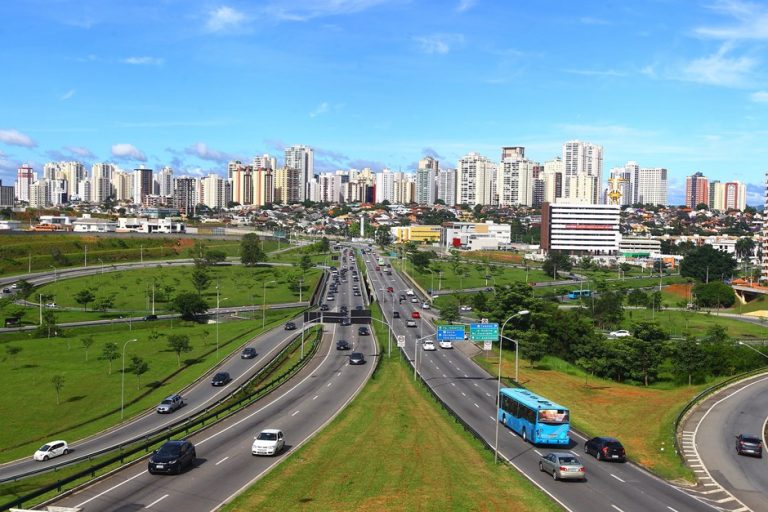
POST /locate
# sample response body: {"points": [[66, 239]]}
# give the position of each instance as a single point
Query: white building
{"points": [[213, 191], [425, 181], [25, 177], [101, 182], [731, 195], [385, 186], [582, 157], [302, 159], [514, 182], [580, 228], [475, 180], [582, 188], [476, 236], [86, 224], [165, 181], [446, 186], [650, 186], [149, 225], [264, 161]]}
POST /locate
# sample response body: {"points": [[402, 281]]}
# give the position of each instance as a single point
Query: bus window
{"points": [[553, 416]]}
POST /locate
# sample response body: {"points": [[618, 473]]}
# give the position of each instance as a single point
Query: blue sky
{"points": [[668, 83]]}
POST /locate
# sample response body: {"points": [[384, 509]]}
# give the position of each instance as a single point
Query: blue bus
{"points": [[535, 418], [575, 294]]}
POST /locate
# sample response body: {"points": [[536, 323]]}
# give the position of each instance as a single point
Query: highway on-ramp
{"points": [[471, 393]]}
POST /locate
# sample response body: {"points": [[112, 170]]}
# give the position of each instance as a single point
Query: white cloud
{"points": [[225, 18], [67, 95], [322, 108], [750, 21], [588, 20], [304, 10], [759, 97], [465, 5], [80, 151], [439, 43], [720, 69], [16, 138], [143, 61], [201, 150], [128, 152]]}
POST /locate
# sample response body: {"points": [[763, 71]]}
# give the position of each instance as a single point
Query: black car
{"points": [[356, 358], [324, 307], [149, 318], [344, 309], [172, 457], [221, 379], [248, 353], [359, 308], [345, 322], [749, 444], [342, 345], [395, 314], [363, 331], [290, 326], [605, 448]]}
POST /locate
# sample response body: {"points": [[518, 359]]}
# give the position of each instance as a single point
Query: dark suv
{"points": [[172, 457], [749, 444], [605, 448], [221, 379]]}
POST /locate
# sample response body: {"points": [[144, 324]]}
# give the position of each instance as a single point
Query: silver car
{"points": [[562, 466]]}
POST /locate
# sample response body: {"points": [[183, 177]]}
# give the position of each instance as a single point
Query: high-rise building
{"points": [[731, 195], [302, 159], [583, 157], [101, 182], [142, 184], [263, 186], [446, 186], [241, 180], [288, 185], [553, 173], [40, 193], [385, 186], [185, 194], [328, 189], [516, 152], [214, 191], [425, 181], [264, 161], [25, 176], [764, 272], [696, 190], [6, 195], [580, 228], [475, 180], [165, 180], [582, 189], [625, 179], [650, 186], [514, 180]]}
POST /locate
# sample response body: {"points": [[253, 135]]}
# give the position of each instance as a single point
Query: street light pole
{"points": [[102, 265], [264, 303], [522, 312], [122, 384], [753, 348]]}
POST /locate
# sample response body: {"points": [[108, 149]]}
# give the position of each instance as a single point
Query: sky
{"points": [[680, 84]]}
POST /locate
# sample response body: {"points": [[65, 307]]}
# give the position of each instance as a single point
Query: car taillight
{"points": [[605, 450], [582, 469], [563, 468]]}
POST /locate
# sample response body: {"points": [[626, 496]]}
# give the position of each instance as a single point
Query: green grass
{"points": [[475, 277], [406, 455], [90, 398], [642, 418], [132, 290], [682, 323]]}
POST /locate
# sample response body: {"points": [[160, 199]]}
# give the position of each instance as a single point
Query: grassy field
{"points": [[681, 323], [407, 455], [642, 418], [38, 252], [475, 276], [132, 290], [90, 396]]}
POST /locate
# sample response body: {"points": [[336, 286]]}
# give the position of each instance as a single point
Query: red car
{"points": [[416, 315], [390, 289]]}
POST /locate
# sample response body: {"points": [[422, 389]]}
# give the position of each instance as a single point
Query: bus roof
{"points": [[531, 399]]}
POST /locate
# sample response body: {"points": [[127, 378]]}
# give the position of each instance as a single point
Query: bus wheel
{"points": [[525, 435]]}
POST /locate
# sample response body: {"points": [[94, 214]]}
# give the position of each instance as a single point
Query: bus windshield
{"points": [[553, 416]]}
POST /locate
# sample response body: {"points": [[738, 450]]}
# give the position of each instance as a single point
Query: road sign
{"points": [[484, 332], [401, 341], [487, 345], [450, 333]]}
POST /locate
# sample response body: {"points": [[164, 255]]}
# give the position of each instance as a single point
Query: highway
{"points": [[470, 392], [225, 465], [709, 435]]}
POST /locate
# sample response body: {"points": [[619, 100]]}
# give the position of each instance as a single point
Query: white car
{"points": [[445, 344], [414, 300], [269, 442], [428, 345], [465, 308], [51, 450], [425, 305], [619, 334], [410, 323], [409, 292], [51, 305]]}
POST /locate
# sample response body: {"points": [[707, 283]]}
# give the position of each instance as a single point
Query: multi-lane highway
{"points": [[470, 392], [224, 462]]}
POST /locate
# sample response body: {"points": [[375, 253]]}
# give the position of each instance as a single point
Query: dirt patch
{"points": [[682, 290]]}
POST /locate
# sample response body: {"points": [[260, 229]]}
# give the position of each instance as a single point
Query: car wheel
{"points": [[554, 475], [599, 455], [541, 467], [45, 457], [586, 449], [66, 452]]}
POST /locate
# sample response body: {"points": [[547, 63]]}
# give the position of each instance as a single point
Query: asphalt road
{"points": [[470, 392], [225, 465], [735, 410]]}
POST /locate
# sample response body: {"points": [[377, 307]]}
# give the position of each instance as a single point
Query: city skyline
{"points": [[206, 83]]}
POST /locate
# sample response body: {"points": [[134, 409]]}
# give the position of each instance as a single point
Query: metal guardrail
{"points": [[183, 426], [698, 398]]}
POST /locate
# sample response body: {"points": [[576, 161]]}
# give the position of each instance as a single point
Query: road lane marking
{"points": [[463, 393], [329, 384], [537, 452], [476, 405], [617, 508], [617, 478], [445, 376], [672, 509], [110, 489], [222, 460], [294, 414], [453, 383], [158, 500], [475, 383], [487, 394], [315, 397]]}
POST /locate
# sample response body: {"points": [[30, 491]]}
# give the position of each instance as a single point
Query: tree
{"points": [[421, 259], [58, 384], [647, 349], [189, 305], [110, 352], [105, 303], [200, 279], [450, 310], [688, 359], [305, 263], [555, 262], [608, 308], [87, 342], [214, 256], [637, 297], [383, 236], [12, 351], [706, 261], [744, 247], [139, 367], [84, 297], [715, 294], [325, 245], [179, 343], [251, 252], [534, 346]]}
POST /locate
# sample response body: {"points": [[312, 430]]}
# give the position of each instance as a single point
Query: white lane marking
{"points": [[453, 383], [158, 500], [492, 418], [315, 397], [617, 478], [445, 376], [294, 414], [487, 394], [222, 460], [466, 376], [476, 405], [475, 383], [463, 393], [672, 509], [537, 452], [110, 489], [617, 508], [338, 374], [329, 384]]}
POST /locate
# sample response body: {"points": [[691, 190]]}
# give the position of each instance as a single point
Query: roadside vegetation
{"points": [[404, 457]]}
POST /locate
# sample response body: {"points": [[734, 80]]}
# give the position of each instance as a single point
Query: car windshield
{"points": [[267, 436], [614, 445], [220, 376], [750, 439], [569, 460], [167, 401], [169, 450], [44, 448]]}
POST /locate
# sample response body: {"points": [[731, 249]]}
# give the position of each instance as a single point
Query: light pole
{"points": [[218, 303], [440, 280], [122, 383], [416, 353], [102, 265], [40, 298], [753, 348], [264, 302], [55, 273], [141, 249], [522, 312]]}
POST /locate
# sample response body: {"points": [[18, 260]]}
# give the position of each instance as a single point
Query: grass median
{"points": [[393, 448]]}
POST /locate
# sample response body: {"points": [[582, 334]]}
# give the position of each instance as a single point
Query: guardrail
{"points": [[216, 412], [698, 398]]}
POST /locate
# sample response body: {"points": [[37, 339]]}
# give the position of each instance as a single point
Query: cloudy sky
{"points": [[680, 84]]}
